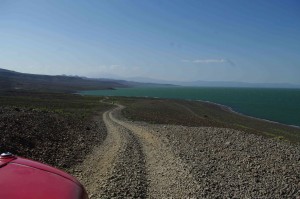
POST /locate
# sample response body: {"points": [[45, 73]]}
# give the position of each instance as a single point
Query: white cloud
{"points": [[209, 61]]}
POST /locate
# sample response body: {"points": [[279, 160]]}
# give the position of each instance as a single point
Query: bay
{"points": [[279, 105]]}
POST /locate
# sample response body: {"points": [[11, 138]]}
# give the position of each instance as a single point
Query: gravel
{"points": [[48, 137], [233, 164], [169, 161], [140, 160]]}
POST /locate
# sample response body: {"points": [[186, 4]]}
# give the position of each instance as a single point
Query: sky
{"points": [[185, 40]]}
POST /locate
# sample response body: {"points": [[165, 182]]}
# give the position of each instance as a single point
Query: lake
{"points": [[279, 105]]}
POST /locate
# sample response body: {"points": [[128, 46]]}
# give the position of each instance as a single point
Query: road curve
{"points": [[132, 162], [167, 174], [139, 160]]}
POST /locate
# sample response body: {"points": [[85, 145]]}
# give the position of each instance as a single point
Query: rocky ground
{"points": [[117, 158], [232, 164], [49, 137], [169, 161]]}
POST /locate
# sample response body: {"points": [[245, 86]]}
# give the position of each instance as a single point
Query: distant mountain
{"points": [[216, 83], [136, 83], [239, 84], [12, 80]]}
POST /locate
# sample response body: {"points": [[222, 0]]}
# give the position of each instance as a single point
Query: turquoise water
{"points": [[280, 105]]}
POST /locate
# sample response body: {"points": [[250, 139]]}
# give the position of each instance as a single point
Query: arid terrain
{"points": [[56, 129], [160, 161], [171, 99], [192, 155]]}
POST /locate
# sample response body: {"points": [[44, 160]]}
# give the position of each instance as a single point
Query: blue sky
{"points": [[185, 40]]}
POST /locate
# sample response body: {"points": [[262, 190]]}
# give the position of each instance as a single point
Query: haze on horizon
{"points": [[183, 40]]}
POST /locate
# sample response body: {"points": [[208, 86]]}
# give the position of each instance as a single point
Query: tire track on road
{"points": [[168, 176], [128, 178], [139, 160], [97, 168], [115, 169], [133, 162]]}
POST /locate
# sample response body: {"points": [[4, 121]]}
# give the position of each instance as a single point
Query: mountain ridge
{"points": [[12, 80], [200, 83]]}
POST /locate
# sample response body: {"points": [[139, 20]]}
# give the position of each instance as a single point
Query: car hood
{"points": [[27, 179]]}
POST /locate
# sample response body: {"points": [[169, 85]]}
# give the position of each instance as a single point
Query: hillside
{"points": [[11, 80]]}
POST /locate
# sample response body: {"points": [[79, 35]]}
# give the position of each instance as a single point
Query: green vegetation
{"points": [[194, 113]]}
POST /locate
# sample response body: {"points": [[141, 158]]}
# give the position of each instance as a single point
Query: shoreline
{"points": [[224, 107], [228, 108]]}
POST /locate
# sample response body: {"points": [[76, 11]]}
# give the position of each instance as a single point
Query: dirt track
{"points": [[134, 163], [157, 161]]}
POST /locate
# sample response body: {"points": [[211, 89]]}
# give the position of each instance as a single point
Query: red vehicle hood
{"points": [[27, 179]]}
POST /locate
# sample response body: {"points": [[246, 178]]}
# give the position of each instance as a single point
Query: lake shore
{"points": [[204, 114], [228, 108], [278, 105]]}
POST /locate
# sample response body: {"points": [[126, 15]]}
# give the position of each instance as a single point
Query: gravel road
{"points": [[140, 160]]}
